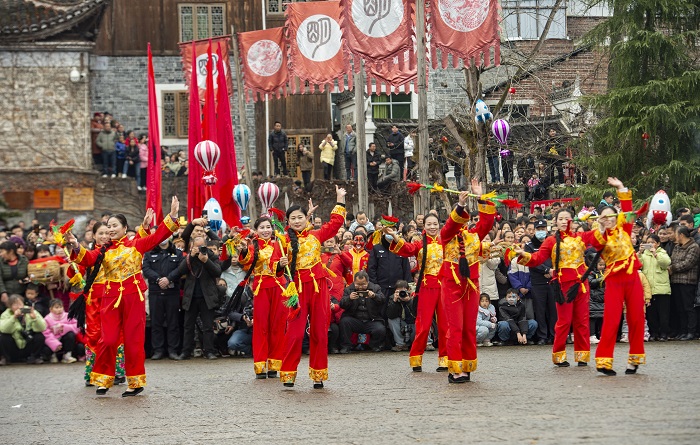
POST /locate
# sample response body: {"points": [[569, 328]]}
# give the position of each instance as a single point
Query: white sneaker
{"points": [[53, 359], [114, 176], [487, 343], [478, 345], [594, 340], [624, 339], [104, 176], [123, 175], [68, 358]]}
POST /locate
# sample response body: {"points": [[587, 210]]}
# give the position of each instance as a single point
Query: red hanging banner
{"points": [[200, 47], [465, 29], [316, 54], [378, 30], [264, 63], [393, 76]]}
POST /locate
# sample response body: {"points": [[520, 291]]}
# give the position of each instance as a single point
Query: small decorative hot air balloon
{"points": [[241, 194], [501, 130], [207, 153], [268, 193], [214, 214], [482, 113]]}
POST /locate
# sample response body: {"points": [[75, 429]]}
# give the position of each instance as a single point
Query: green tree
{"points": [[648, 132]]}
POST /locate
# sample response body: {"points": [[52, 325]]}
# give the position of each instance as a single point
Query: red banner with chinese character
{"points": [[316, 53], [264, 62], [393, 76], [378, 30], [466, 29], [201, 62]]}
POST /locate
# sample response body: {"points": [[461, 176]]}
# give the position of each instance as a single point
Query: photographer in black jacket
{"points": [[163, 298], [201, 296], [543, 298], [363, 303]]}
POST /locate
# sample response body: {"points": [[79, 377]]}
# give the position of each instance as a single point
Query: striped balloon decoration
{"points": [[241, 194], [268, 194], [207, 153], [501, 130]]}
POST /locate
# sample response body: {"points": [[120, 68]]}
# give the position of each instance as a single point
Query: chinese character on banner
{"points": [[264, 62], [201, 60], [378, 30], [316, 53], [465, 29]]}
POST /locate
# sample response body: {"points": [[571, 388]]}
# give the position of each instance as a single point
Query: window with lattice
{"points": [[526, 19], [175, 114], [279, 6], [292, 158], [201, 21]]}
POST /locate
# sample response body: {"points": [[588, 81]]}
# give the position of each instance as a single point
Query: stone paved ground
{"points": [[516, 397]]}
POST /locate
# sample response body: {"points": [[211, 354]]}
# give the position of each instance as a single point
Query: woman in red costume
{"points": [[123, 304], [622, 286], [459, 276], [265, 256], [566, 249], [428, 253], [309, 276]]}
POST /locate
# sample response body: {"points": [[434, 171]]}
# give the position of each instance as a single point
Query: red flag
{"points": [[264, 62], [209, 122], [195, 53], [195, 199], [466, 29], [227, 168], [153, 173]]}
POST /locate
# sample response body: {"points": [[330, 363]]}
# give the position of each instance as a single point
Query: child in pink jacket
{"points": [[60, 333]]}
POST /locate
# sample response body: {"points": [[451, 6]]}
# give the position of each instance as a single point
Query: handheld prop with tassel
{"points": [[414, 187]]}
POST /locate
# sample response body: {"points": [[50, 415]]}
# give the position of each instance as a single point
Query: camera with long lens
{"points": [[403, 294]]}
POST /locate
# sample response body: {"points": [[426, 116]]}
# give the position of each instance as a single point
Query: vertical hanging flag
{"points": [[377, 30], [316, 54], [228, 170], [209, 116], [153, 172], [465, 29], [195, 198], [263, 57], [200, 60]]}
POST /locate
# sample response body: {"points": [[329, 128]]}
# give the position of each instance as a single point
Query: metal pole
{"points": [[267, 102], [244, 126], [424, 150], [362, 182]]}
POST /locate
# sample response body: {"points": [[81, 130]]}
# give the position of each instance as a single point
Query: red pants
{"points": [[316, 306], [93, 327], [622, 288], [461, 304], [268, 329], [129, 317], [428, 302], [575, 313]]}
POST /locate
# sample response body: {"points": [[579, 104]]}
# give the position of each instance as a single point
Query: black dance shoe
{"points": [[417, 369], [288, 384], [441, 369], [133, 393], [271, 374], [452, 379], [582, 363], [101, 391], [563, 364], [261, 376], [119, 380], [606, 371], [633, 370], [318, 385]]}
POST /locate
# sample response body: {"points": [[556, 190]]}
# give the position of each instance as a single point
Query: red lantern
{"points": [[444, 140], [645, 136], [512, 90]]}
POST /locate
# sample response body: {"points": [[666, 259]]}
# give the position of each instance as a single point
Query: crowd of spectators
{"points": [[373, 308]]}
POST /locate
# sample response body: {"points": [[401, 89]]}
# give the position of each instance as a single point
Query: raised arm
{"points": [[539, 257], [330, 229]]}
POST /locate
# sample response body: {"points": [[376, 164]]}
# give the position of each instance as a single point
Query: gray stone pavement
{"points": [[516, 396]]}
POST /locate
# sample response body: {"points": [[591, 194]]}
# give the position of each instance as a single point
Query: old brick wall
{"points": [[44, 117]]}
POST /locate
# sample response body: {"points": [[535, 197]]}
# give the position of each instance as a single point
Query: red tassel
{"points": [[67, 226], [510, 203], [294, 312], [413, 187], [279, 214], [642, 210]]}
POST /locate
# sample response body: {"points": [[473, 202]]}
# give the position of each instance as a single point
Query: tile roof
{"points": [[28, 20]]}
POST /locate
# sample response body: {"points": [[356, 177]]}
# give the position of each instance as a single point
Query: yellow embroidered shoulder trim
{"points": [[339, 210], [488, 209], [626, 195], [170, 224], [458, 219], [396, 246]]}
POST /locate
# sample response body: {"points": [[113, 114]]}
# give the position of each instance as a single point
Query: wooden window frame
{"points": [[539, 9], [291, 154], [390, 103], [283, 5], [181, 117], [194, 7]]}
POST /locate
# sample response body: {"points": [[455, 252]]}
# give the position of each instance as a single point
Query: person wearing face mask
{"points": [[514, 323], [123, 303], [543, 301], [163, 298], [429, 255], [355, 259], [571, 289]]}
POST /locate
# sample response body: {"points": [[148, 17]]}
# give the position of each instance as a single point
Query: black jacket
{"points": [[244, 307], [597, 302], [353, 307], [395, 309], [537, 273], [187, 234], [277, 141], [376, 157], [385, 268], [159, 263], [514, 315], [206, 274], [397, 149]]}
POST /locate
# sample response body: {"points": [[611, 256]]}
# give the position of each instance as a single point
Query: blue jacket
{"points": [[519, 277]]}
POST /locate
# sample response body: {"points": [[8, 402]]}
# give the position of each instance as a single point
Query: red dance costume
{"points": [[123, 308], [268, 306], [622, 285], [460, 295], [429, 300], [354, 260], [314, 302], [571, 269]]}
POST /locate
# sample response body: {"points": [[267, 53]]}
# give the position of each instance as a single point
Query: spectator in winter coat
{"points": [[486, 321], [684, 279], [655, 265], [362, 221], [21, 333], [374, 159], [395, 142], [328, 148], [514, 323], [241, 318], [60, 333], [363, 302], [389, 175], [106, 142], [385, 268], [596, 305], [519, 278], [401, 316], [278, 142], [143, 162]]}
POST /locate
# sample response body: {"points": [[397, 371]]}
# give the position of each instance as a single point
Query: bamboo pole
{"points": [[362, 183], [424, 149]]}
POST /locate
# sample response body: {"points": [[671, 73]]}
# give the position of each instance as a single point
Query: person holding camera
{"points": [[241, 324], [363, 302], [201, 296], [163, 298], [401, 316], [21, 336], [14, 275]]}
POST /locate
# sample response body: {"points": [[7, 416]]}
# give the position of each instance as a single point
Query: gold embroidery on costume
{"points": [[604, 362], [582, 356], [309, 252], [103, 380], [472, 248], [572, 252], [618, 252], [136, 381], [434, 260], [318, 374], [454, 366], [469, 365], [274, 365], [415, 360], [637, 359], [442, 361], [339, 210], [259, 367], [559, 357], [458, 219], [288, 376]]}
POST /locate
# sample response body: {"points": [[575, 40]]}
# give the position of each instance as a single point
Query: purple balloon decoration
{"points": [[501, 130]]}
